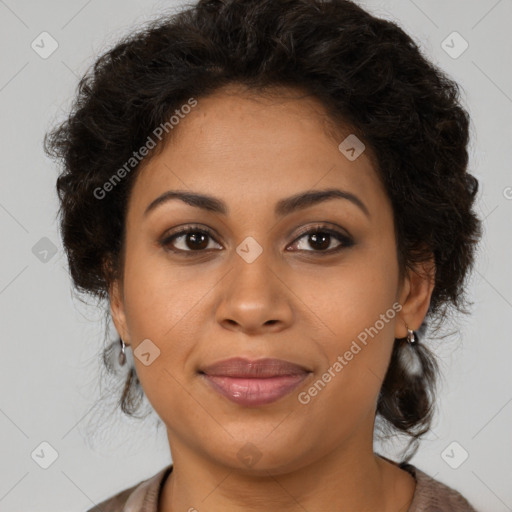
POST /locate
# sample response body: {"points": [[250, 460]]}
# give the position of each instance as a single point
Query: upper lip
{"points": [[259, 368]]}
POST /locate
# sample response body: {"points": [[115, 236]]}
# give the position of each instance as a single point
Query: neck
{"points": [[349, 478]]}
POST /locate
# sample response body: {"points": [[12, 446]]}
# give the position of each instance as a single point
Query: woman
{"points": [[273, 197]]}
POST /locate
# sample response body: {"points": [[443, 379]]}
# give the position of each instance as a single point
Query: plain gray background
{"points": [[50, 341]]}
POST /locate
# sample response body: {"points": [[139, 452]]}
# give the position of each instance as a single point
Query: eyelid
{"points": [[324, 227]]}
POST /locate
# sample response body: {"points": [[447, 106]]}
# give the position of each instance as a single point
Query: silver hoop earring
{"points": [[122, 355], [410, 355]]}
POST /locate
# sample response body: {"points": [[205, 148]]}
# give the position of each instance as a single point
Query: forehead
{"points": [[236, 144]]}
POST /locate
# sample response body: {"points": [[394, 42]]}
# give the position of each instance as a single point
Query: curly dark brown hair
{"points": [[368, 74]]}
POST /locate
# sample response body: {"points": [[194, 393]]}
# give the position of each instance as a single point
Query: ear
{"points": [[117, 310], [414, 296]]}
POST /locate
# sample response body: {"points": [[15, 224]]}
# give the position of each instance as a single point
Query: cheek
{"points": [[166, 305], [154, 302], [352, 296], [158, 296], [358, 307]]}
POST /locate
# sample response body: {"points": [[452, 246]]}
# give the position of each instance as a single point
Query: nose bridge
{"points": [[254, 296]]}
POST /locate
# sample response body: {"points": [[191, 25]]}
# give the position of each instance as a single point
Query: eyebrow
{"points": [[283, 207]]}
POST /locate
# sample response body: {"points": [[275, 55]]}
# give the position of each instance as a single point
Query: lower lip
{"points": [[252, 392]]}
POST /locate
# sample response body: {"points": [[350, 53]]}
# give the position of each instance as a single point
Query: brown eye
{"points": [[189, 240], [320, 239]]}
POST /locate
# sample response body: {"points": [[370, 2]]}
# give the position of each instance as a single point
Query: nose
{"points": [[255, 299]]}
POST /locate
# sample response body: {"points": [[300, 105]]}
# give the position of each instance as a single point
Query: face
{"points": [[254, 275]]}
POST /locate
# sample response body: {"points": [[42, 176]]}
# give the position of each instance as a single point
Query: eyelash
{"points": [[345, 240]]}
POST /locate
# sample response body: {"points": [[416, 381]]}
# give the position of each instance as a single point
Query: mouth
{"points": [[252, 383]]}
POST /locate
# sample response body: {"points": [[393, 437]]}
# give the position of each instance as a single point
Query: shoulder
{"points": [[431, 494], [141, 496]]}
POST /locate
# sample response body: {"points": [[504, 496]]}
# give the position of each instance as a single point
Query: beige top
{"points": [[430, 495]]}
